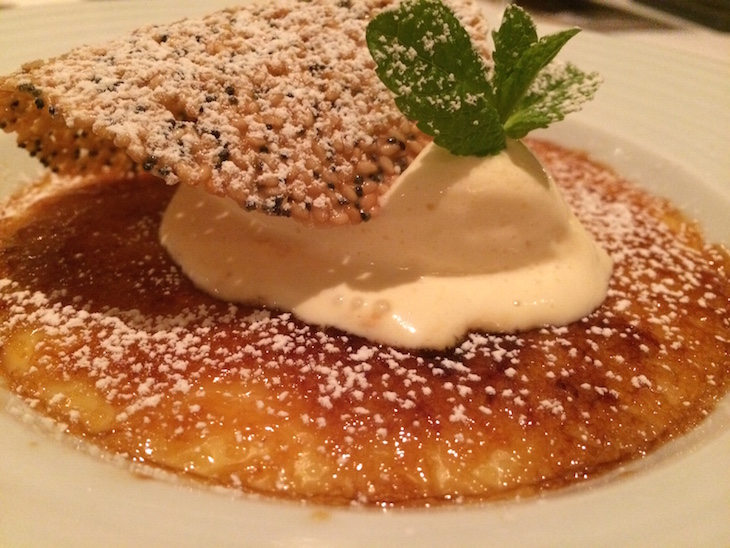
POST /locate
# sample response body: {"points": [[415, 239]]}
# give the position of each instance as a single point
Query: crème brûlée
{"points": [[102, 331]]}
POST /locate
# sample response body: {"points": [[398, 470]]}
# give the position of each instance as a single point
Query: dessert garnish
{"points": [[298, 126], [460, 238], [426, 58]]}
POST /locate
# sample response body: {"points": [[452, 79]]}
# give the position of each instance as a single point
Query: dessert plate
{"points": [[661, 118]]}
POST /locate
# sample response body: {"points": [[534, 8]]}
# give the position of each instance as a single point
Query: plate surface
{"points": [[661, 119]]}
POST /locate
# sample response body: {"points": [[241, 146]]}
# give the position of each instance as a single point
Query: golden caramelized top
{"points": [[102, 332]]}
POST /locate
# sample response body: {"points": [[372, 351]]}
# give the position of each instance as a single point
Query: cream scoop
{"points": [[460, 243]]}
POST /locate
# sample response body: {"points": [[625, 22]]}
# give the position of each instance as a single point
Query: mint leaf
{"points": [[426, 58], [414, 48], [462, 127], [514, 36], [556, 92], [525, 70]]}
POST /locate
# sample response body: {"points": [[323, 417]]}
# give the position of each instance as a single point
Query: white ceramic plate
{"points": [[662, 118]]}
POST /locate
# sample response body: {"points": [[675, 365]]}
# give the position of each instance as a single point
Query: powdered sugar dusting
{"points": [[276, 105], [638, 370]]}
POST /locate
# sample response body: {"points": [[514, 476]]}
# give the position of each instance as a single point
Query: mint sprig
{"points": [[426, 58]]}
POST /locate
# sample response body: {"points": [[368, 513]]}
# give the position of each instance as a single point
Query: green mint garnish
{"points": [[426, 58]]}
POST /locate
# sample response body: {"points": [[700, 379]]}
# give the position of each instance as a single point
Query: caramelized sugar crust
{"points": [[100, 331]]}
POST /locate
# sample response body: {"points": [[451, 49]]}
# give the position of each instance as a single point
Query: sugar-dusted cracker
{"points": [[273, 103]]}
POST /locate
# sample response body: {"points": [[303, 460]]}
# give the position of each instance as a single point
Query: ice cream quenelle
{"points": [[461, 242]]}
